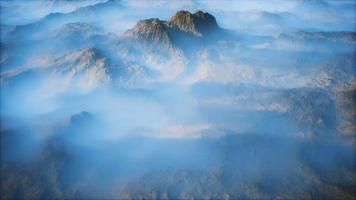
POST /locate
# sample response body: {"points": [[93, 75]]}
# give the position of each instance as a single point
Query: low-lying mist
{"points": [[142, 100]]}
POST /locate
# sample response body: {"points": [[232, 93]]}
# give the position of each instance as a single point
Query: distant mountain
{"points": [[317, 3], [50, 21], [77, 29], [336, 36], [109, 6], [182, 26], [99, 8]]}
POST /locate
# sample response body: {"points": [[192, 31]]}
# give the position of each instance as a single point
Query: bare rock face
{"points": [[152, 30], [87, 63], [183, 25], [199, 24]]}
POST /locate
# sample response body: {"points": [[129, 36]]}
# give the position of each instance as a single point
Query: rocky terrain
{"points": [[177, 100], [181, 28]]}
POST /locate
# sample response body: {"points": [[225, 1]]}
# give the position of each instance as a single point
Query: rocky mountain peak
{"points": [[182, 25], [151, 30], [88, 63], [199, 23]]}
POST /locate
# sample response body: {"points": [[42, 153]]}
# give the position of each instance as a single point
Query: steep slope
{"points": [[151, 30], [182, 28], [199, 24], [88, 64], [87, 68]]}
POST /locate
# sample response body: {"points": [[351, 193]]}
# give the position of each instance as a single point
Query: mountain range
{"points": [[178, 100]]}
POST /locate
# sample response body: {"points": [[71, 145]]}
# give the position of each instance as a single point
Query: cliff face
{"points": [[182, 25], [152, 30], [198, 24]]}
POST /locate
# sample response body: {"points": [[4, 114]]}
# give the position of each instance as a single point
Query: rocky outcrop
{"points": [[199, 24], [182, 26]]}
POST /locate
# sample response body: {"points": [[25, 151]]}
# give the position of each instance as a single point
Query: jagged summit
{"points": [[199, 23], [153, 30], [183, 25]]}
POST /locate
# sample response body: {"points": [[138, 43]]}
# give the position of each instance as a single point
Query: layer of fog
{"points": [[276, 96]]}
